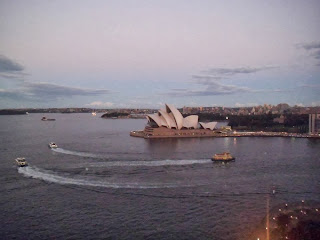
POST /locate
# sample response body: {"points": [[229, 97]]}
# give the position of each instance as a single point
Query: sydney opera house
{"points": [[169, 122]]}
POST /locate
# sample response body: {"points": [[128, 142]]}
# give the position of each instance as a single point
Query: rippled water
{"points": [[103, 184]]}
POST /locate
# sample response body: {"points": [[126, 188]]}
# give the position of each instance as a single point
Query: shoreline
{"points": [[148, 133]]}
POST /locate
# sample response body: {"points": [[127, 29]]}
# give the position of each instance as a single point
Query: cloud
{"points": [[30, 91], [309, 46], [206, 77], [246, 104], [10, 69], [53, 91], [14, 94], [316, 54], [140, 102], [47, 92], [232, 71], [313, 48], [8, 65], [310, 86], [212, 89], [213, 86], [279, 90], [179, 89], [213, 75], [100, 104]]}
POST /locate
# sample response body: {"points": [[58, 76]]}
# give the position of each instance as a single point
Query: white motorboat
{"points": [[53, 145], [21, 162]]}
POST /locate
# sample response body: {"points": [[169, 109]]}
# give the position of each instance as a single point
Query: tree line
{"points": [[292, 122]]}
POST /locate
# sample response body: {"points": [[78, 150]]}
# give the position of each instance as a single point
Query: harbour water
{"points": [[100, 183]]}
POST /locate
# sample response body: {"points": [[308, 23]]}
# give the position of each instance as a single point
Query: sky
{"points": [[142, 54]]}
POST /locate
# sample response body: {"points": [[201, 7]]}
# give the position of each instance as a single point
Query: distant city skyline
{"points": [[142, 54]]}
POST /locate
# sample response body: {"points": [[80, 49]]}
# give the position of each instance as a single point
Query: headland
{"points": [[170, 123]]}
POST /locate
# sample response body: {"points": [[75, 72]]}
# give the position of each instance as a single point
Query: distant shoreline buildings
{"points": [[314, 123], [279, 109], [282, 108]]}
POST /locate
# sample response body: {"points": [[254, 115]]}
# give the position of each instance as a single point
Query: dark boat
{"points": [[47, 119], [223, 157]]}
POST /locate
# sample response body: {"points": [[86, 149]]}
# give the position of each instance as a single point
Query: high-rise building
{"points": [[314, 123]]}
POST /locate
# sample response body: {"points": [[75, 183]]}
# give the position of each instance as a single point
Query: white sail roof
{"points": [[191, 121], [176, 115], [209, 125], [170, 117], [169, 120], [155, 117], [163, 121]]}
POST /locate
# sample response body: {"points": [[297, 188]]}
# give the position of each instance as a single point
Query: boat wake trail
{"points": [[53, 177], [131, 163], [149, 163], [76, 153]]}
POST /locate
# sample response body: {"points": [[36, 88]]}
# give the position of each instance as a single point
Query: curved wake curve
{"points": [[81, 154], [49, 176], [155, 163]]}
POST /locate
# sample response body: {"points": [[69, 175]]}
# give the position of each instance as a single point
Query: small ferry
{"points": [[94, 113], [223, 157], [21, 162], [53, 145]]}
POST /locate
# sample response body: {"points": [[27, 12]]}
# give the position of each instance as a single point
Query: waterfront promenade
{"points": [[189, 133]]}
